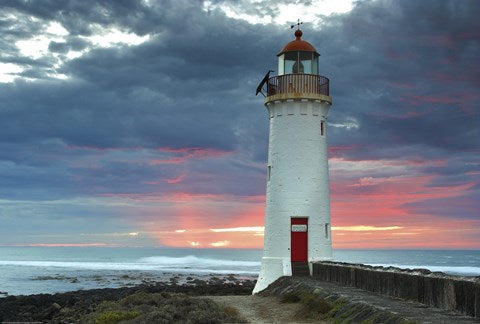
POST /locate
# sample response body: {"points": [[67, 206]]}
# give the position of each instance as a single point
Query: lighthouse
{"points": [[297, 213]]}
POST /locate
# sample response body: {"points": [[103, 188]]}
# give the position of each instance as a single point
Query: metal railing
{"points": [[298, 83]]}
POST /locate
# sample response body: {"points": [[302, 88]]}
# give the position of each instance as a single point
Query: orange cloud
{"points": [[192, 216], [179, 156], [364, 228], [386, 202], [450, 234], [178, 179], [372, 206]]}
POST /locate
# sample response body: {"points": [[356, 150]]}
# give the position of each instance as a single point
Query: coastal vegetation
{"points": [[111, 317], [152, 303], [162, 308], [217, 301], [318, 304]]}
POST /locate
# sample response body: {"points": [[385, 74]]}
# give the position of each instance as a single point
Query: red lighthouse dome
{"points": [[298, 45]]}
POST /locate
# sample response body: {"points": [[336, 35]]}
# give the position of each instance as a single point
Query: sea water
{"points": [[31, 270]]}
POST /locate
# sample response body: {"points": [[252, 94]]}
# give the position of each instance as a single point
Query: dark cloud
{"points": [[399, 76], [72, 44], [463, 207]]}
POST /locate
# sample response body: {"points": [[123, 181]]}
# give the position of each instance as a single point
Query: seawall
{"points": [[455, 293]]}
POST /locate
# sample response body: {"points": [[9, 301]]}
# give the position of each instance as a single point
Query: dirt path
{"points": [[257, 309]]}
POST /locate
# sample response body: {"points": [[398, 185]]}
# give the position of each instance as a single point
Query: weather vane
{"points": [[297, 24]]}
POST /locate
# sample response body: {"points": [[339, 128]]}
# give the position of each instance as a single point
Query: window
{"points": [[295, 62], [326, 230], [322, 126], [305, 59], [281, 64], [269, 172], [290, 59]]}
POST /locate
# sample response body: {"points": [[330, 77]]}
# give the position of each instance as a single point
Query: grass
{"points": [[231, 311], [291, 297], [313, 306], [163, 308], [337, 306], [337, 310], [112, 317]]}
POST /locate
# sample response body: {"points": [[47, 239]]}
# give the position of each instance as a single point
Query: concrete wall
{"points": [[459, 294]]}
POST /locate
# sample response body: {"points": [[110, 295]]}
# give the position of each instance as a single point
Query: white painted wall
{"points": [[298, 184]]}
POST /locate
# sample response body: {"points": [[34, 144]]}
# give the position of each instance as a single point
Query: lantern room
{"points": [[298, 57]]}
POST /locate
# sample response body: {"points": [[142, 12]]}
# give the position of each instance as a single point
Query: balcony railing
{"points": [[298, 83]]}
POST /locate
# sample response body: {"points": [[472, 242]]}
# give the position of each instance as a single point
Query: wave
{"points": [[190, 260], [456, 270], [189, 264], [194, 264]]}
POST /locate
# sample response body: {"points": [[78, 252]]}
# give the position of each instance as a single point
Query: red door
{"points": [[299, 239]]}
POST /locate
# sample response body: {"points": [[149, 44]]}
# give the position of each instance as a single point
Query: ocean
{"points": [[33, 270]]}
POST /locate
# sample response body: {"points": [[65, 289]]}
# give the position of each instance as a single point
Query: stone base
{"points": [[272, 269]]}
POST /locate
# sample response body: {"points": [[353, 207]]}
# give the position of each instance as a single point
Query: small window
{"points": [[326, 230], [322, 128], [269, 172]]}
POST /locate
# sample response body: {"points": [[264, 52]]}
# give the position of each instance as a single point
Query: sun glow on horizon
{"points": [[363, 228], [239, 229], [220, 243]]}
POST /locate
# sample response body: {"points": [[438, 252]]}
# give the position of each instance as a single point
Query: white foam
{"points": [[202, 262], [460, 270], [159, 263]]}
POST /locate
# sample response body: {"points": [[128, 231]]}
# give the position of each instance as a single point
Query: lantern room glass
{"points": [[298, 62]]}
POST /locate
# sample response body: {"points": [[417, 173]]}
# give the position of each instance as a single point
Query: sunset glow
{"points": [[360, 228]]}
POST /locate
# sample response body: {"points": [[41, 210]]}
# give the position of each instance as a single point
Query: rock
{"points": [[198, 282], [232, 278], [48, 278], [56, 306]]}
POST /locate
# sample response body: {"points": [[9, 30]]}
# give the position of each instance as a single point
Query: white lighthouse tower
{"points": [[297, 214]]}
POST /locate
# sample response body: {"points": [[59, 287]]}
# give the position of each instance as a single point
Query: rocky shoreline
{"points": [[176, 300], [78, 306]]}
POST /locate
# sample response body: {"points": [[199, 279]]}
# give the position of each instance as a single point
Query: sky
{"points": [[135, 123]]}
